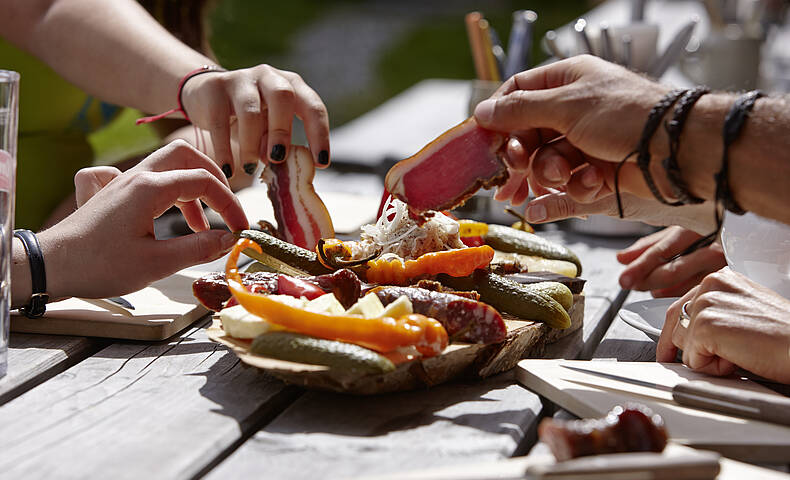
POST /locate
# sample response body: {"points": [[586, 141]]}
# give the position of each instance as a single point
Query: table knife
{"points": [[701, 395]]}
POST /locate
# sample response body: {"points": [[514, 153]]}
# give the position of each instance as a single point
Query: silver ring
{"points": [[685, 318]]}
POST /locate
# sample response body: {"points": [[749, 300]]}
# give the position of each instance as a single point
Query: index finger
{"points": [[180, 155], [311, 109]]}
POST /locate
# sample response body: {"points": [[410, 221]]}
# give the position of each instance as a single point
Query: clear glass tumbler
{"points": [[9, 108]]}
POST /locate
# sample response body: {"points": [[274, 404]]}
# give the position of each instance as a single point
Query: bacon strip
{"points": [[212, 290], [302, 218], [465, 319], [450, 169]]}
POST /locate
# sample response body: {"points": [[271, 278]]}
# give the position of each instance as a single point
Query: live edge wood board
{"points": [[525, 339]]}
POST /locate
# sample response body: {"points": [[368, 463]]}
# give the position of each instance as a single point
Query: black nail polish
{"points": [[278, 153], [249, 168], [323, 157], [226, 170]]}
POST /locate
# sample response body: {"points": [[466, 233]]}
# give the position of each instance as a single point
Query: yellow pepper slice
{"points": [[471, 228]]}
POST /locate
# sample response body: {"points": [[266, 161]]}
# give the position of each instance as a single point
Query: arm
{"points": [[600, 109], [107, 246], [116, 51]]}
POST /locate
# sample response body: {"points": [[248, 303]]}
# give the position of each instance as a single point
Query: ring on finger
{"points": [[685, 318]]}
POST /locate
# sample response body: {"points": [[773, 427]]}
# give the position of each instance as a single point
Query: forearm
{"points": [[112, 49], [759, 158]]}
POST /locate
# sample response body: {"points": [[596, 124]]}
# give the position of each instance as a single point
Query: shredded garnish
{"points": [[397, 233]]}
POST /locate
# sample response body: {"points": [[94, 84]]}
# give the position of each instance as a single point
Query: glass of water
{"points": [[9, 100]]}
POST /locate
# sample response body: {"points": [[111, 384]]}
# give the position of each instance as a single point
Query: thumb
{"points": [[519, 111], [177, 253]]}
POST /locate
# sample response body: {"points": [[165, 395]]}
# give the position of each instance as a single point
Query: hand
{"points": [[107, 246], [648, 267], [733, 322], [578, 117], [260, 102], [560, 205]]}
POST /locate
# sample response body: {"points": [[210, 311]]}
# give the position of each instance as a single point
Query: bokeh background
{"points": [[355, 53]]}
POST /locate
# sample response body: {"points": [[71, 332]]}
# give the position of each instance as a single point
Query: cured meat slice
{"points": [[212, 290], [465, 320], [450, 169], [302, 218], [632, 428]]}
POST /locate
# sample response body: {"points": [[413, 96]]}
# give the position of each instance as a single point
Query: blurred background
{"points": [[355, 53]]}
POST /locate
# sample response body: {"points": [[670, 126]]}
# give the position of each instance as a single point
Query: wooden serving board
{"points": [[161, 310], [743, 439], [524, 339]]}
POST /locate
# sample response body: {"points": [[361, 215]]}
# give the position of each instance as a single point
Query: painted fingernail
{"points": [[485, 111], [552, 173], [249, 168], [535, 213], [226, 170], [323, 157], [278, 153], [590, 179]]}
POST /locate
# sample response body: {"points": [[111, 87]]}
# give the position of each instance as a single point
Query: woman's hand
{"points": [[648, 266], [733, 322], [107, 246], [260, 103]]}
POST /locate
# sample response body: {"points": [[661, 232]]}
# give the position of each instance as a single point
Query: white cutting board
{"points": [[743, 439], [161, 310]]}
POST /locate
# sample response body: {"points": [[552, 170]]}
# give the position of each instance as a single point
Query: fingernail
{"points": [[323, 157], [226, 170], [535, 213], [227, 240], [485, 111], [626, 281], [590, 179], [552, 173], [278, 153], [249, 168]]}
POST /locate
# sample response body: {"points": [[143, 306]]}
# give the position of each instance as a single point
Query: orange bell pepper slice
{"points": [[459, 262], [384, 334]]}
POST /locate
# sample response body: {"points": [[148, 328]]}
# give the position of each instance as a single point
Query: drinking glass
{"points": [[9, 100]]}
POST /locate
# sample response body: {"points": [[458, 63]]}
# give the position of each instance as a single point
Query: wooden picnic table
{"points": [[79, 407]]}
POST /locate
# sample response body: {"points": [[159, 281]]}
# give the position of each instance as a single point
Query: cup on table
{"points": [[9, 98], [728, 59]]}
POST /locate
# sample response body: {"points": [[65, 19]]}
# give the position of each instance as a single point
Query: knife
{"points": [[121, 302], [673, 50], [737, 402]]}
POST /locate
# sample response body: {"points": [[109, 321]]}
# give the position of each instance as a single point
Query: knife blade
{"points": [[121, 302], [701, 395]]}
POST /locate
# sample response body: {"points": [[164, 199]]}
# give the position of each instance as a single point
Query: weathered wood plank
{"points": [[138, 410], [625, 343], [33, 359], [325, 435]]}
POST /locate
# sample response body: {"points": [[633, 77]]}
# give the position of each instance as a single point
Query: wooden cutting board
{"points": [[161, 310], [743, 439]]}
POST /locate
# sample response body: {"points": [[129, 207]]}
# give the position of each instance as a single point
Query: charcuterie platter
{"points": [[419, 298]]}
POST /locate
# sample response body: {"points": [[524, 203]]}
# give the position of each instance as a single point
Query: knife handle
{"points": [[767, 407]]}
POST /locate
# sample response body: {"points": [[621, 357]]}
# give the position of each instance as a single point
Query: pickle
{"points": [[512, 297], [510, 240], [318, 351], [557, 291], [282, 256]]}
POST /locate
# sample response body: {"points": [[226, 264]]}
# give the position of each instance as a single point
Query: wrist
{"points": [[55, 256]]}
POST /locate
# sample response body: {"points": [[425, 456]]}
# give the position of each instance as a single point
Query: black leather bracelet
{"points": [[642, 150], [674, 128], [39, 297]]}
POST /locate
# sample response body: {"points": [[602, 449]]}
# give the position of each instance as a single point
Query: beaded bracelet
{"points": [[643, 149], [674, 128], [180, 108]]}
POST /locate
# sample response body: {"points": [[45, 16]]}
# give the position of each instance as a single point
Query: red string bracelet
{"points": [[180, 108]]}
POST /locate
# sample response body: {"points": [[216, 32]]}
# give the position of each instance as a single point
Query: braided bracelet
{"points": [[180, 108], [733, 123], [674, 128], [643, 149]]}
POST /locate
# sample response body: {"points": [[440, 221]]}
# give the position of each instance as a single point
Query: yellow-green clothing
{"points": [[55, 118]]}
